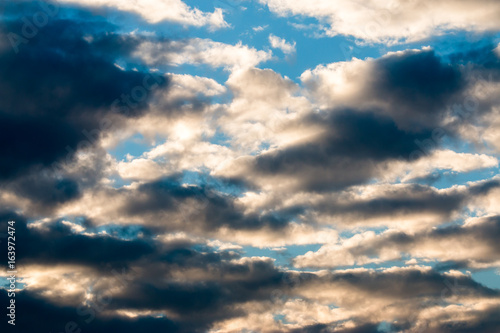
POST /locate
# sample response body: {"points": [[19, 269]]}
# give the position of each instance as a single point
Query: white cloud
{"points": [[140, 168], [191, 155], [184, 86], [366, 85], [393, 21], [199, 51], [333, 255], [340, 83], [74, 227], [280, 43], [293, 234], [162, 10], [263, 107], [446, 160], [488, 204], [260, 28], [465, 243]]}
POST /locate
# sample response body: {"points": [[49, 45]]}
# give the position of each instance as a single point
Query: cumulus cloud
{"points": [[397, 21], [163, 282], [471, 245], [140, 168], [344, 152], [404, 207], [199, 51], [389, 83], [375, 116], [185, 206], [155, 11], [68, 107], [439, 160], [281, 43], [258, 203], [260, 28], [263, 106]]}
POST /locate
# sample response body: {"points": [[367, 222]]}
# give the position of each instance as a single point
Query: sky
{"points": [[251, 165]]}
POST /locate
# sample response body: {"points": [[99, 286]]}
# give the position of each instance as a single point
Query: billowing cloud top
{"points": [[250, 166]]}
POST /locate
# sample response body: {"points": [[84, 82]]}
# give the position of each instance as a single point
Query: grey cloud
{"points": [[347, 154], [58, 86]]}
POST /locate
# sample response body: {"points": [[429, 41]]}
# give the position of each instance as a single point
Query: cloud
{"points": [[322, 172], [139, 168], [263, 105], [440, 160], [168, 204], [260, 116], [260, 28], [155, 11], [414, 87], [184, 86], [72, 87], [162, 282], [397, 21], [472, 244], [280, 43], [195, 278], [373, 115], [60, 242], [357, 300], [475, 114], [199, 51], [345, 152]]}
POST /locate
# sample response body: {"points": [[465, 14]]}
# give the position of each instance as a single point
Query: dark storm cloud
{"points": [[401, 111], [481, 69], [406, 200], [484, 235], [417, 86], [211, 299], [184, 256], [56, 243], [45, 191], [409, 199], [413, 87], [455, 246], [152, 281], [195, 284], [333, 327], [347, 154], [197, 305], [45, 316], [56, 87], [485, 321], [203, 206], [411, 289], [481, 58], [394, 285], [485, 187], [215, 300], [444, 266]]}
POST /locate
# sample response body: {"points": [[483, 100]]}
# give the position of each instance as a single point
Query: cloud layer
{"points": [[186, 167]]}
